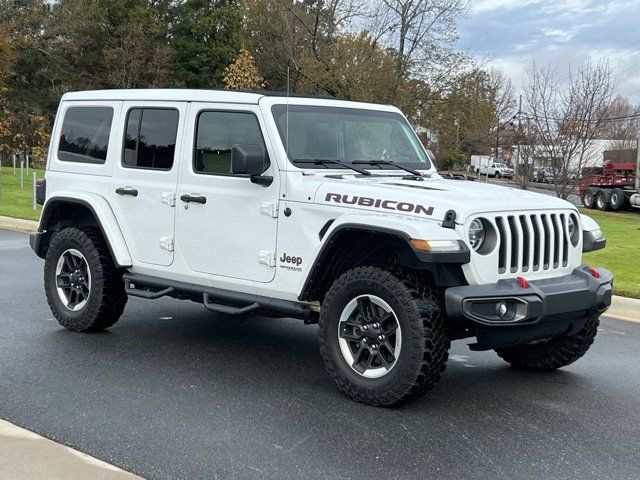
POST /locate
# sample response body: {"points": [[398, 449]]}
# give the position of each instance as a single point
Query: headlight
{"points": [[476, 234], [574, 230]]}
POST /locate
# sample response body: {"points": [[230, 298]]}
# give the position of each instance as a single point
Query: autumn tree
{"points": [[242, 74]]}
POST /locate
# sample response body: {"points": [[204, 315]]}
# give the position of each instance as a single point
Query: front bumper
{"points": [[506, 313]]}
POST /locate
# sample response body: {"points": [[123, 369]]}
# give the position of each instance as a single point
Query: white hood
{"points": [[430, 198]]}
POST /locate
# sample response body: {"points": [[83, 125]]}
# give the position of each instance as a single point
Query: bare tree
{"points": [[567, 118], [623, 126], [422, 34]]}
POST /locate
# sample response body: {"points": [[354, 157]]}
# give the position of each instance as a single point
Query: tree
{"points": [[467, 117], [623, 130], [242, 74], [422, 34], [205, 37], [567, 118]]}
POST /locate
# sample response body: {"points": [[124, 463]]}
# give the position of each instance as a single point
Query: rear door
{"points": [[145, 178]]}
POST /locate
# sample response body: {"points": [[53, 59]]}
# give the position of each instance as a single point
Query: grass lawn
{"points": [[622, 254], [16, 201]]}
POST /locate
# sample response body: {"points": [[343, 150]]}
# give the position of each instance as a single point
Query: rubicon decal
{"points": [[379, 203]]}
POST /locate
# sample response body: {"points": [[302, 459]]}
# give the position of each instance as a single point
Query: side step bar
{"points": [[214, 299]]}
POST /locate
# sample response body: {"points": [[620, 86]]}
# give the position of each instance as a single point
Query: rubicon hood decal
{"points": [[379, 203]]}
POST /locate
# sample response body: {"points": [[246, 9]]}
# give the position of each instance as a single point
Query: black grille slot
{"points": [[536, 242], [547, 242], [502, 248], [515, 242], [556, 241], [565, 240], [526, 248]]}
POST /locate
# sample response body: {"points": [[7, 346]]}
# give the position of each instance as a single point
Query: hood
{"points": [[430, 198]]}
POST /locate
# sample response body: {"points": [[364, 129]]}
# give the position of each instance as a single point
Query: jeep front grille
{"points": [[532, 242]]}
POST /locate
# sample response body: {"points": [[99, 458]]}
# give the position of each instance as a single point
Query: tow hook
{"points": [[523, 282]]}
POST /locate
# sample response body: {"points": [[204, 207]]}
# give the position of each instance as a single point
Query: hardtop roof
{"points": [[195, 95]]}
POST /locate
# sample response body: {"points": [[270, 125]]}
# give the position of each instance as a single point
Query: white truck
{"points": [[496, 170], [324, 210]]}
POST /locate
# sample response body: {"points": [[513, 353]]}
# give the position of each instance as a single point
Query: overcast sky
{"points": [[560, 32]]}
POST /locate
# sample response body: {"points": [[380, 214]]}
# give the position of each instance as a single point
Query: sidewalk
{"points": [[624, 308], [19, 224], [27, 456]]}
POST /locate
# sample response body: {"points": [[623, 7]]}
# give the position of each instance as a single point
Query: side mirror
{"points": [[251, 160]]}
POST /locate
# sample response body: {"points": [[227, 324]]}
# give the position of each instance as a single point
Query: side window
{"points": [[85, 134], [150, 139], [217, 132]]}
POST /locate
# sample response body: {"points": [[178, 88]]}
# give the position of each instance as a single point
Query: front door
{"points": [[227, 225], [146, 176]]}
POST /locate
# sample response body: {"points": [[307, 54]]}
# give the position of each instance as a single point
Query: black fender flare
{"points": [[445, 266]]}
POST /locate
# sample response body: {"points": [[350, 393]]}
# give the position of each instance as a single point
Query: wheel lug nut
{"points": [[366, 327], [380, 337], [376, 325]]}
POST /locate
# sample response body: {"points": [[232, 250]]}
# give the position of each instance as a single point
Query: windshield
{"points": [[349, 135]]}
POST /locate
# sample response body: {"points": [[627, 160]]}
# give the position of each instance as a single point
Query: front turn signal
{"points": [[435, 245]]}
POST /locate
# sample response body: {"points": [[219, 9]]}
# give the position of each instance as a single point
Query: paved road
{"points": [[174, 392]]}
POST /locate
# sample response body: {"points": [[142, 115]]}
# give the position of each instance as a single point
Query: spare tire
{"points": [[617, 199], [589, 197]]}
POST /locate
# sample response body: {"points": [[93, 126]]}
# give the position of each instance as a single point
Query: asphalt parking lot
{"points": [[175, 392]]}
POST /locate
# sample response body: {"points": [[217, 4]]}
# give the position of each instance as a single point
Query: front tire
{"points": [[84, 288], [554, 353], [382, 336]]}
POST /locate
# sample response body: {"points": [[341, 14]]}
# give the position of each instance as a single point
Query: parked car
{"points": [[496, 170], [325, 210]]}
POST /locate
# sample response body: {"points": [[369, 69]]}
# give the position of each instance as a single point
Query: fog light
{"points": [[501, 309]]}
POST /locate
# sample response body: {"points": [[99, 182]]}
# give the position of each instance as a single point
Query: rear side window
{"points": [[150, 140], [217, 132], [85, 134]]}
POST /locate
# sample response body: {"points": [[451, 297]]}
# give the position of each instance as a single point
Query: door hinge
{"points": [[269, 208], [267, 258], [166, 243], [168, 198]]}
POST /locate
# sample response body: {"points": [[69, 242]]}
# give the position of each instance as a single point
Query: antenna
{"points": [[286, 146]]}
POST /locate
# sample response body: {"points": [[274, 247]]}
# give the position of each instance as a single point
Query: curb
{"points": [[624, 308], [27, 455], [18, 224]]}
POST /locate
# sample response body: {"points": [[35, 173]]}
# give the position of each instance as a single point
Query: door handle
{"points": [[196, 198], [127, 191]]}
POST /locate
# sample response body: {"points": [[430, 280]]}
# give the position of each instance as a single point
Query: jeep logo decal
{"points": [[297, 261], [378, 203]]}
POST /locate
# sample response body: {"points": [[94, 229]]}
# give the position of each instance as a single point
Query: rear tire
{"points": [[554, 353], [588, 198], [84, 288], [617, 199], [602, 202], [410, 366]]}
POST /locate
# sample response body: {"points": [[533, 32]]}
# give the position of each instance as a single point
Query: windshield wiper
{"points": [[325, 161], [388, 162]]}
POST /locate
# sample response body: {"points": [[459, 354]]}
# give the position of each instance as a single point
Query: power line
{"points": [[606, 119]]}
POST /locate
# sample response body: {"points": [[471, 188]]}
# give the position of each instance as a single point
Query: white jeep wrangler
{"points": [[324, 210]]}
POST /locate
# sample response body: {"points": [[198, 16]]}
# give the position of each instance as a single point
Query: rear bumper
{"points": [[505, 313]]}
